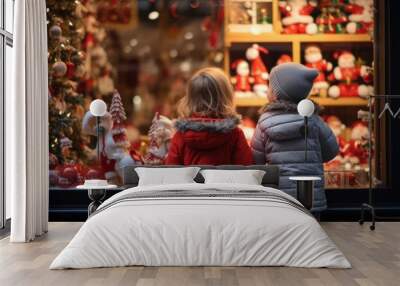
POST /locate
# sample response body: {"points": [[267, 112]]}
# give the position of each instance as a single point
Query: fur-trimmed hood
{"points": [[203, 133], [223, 125]]}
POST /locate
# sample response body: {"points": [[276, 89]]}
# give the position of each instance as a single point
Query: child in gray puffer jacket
{"points": [[279, 136]]}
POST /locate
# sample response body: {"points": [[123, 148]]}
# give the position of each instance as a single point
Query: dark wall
{"points": [[393, 83]]}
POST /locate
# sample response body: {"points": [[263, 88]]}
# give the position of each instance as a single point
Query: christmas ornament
{"points": [[242, 79], [55, 32], [296, 16], [332, 19], [59, 69], [348, 75], [361, 16], [259, 71], [314, 59], [160, 134]]}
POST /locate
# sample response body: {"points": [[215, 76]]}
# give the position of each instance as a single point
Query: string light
{"points": [[133, 42], [154, 15]]}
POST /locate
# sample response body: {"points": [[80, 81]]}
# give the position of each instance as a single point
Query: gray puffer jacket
{"points": [[279, 140]]}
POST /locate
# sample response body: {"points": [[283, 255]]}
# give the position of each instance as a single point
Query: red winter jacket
{"points": [[209, 141]]}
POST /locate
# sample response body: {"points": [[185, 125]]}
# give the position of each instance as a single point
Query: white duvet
{"points": [[204, 231]]}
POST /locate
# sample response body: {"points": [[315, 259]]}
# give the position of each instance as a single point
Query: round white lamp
{"points": [[306, 109], [98, 108]]}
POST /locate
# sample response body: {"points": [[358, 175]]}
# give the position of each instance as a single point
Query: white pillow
{"points": [[166, 176], [248, 177]]}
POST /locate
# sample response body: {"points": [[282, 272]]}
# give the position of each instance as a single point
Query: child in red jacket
{"points": [[207, 132]]}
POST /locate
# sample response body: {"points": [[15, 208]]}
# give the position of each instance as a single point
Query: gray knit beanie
{"points": [[291, 81]]}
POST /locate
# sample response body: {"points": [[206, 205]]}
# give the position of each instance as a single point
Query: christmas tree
{"points": [[66, 70], [118, 116]]}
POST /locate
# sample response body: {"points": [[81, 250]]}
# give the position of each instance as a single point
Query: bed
{"points": [[197, 224]]}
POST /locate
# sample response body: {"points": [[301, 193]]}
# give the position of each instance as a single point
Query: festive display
{"points": [[65, 99], [258, 70], [160, 134], [314, 59], [332, 20], [296, 16], [361, 16], [242, 80], [348, 74]]}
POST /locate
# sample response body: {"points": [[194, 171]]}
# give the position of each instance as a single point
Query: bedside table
{"points": [[305, 189], [96, 195]]}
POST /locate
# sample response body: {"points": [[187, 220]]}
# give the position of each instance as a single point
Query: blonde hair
{"points": [[209, 93]]}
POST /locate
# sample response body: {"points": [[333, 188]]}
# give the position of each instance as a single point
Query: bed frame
{"points": [[270, 179]]}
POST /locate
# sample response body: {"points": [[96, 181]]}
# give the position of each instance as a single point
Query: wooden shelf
{"points": [[343, 101], [260, 101], [286, 38], [250, 101]]}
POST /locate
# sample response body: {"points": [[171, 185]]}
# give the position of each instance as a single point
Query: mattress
{"points": [[201, 225]]}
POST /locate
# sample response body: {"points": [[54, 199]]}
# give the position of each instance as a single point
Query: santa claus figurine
{"points": [[347, 73], [361, 16], [296, 16], [284, 58], [357, 148], [314, 59], [259, 71], [242, 79]]}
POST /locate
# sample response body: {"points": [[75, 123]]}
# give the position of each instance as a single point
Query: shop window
{"points": [[147, 50]]}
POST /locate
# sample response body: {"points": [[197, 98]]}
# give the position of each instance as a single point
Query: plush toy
{"points": [[296, 16], [314, 59], [242, 80], [348, 75], [259, 71], [160, 135], [357, 148], [361, 16], [284, 58]]}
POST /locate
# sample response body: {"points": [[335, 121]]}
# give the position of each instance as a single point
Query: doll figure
{"points": [[347, 74], [259, 71], [314, 59], [296, 16]]}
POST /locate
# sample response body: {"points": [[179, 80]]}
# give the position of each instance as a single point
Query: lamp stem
{"points": [[306, 137], [98, 137]]}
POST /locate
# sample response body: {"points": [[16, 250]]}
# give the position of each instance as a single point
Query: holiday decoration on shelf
{"points": [[264, 17], [353, 78], [284, 58], [113, 144], [296, 16], [242, 80], [259, 71], [160, 134], [361, 16], [314, 59], [116, 144], [332, 19], [357, 147]]}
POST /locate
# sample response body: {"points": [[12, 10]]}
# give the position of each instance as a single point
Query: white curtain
{"points": [[27, 124]]}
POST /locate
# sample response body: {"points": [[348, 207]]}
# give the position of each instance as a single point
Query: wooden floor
{"points": [[375, 257]]}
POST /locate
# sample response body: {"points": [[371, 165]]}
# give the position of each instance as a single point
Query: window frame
{"points": [[6, 39]]}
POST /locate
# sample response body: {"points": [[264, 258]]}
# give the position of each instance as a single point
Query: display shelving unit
{"points": [[237, 40], [295, 41]]}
